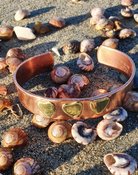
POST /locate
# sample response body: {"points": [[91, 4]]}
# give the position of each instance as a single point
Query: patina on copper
{"points": [[74, 108]]}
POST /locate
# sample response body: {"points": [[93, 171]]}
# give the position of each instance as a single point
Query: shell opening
{"points": [[112, 129], [60, 71]]}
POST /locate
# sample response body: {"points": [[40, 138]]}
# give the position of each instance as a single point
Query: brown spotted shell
{"points": [[59, 131], [26, 166], [71, 47], [6, 32], [40, 121], [6, 159], [85, 62], [16, 53], [111, 42], [58, 22], [79, 79], [14, 137], [60, 74], [51, 92]]}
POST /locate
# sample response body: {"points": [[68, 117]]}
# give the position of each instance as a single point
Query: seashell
{"points": [[56, 51], [119, 114], [69, 91], [71, 47], [59, 131], [136, 17], [14, 137], [85, 62], [51, 92], [126, 2], [6, 159], [127, 33], [97, 11], [98, 92], [104, 24], [3, 90], [87, 45], [6, 33], [57, 22], [79, 79], [5, 103], [130, 101], [40, 121], [16, 53], [109, 130], [47, 108], [3, 64], [26, 166], [73, 109], [82, 133], [41, 28], [21, 14], [127, 12], [13, 63], [24, 33], [60, 74], [94, 20], [110, 33], [120, 163], [111, 42]]}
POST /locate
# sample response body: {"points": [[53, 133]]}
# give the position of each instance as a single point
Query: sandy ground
{"points": [[68, 158]]}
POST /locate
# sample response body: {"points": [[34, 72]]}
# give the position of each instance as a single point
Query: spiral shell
{"points": [[21, 14], [6, 159], [120, 163], [108, 129], [41, 28], [14, 137], [59, 131], [26, 166], [51, 92], [111, 42], [82, 133], [127, 12], [87, 45], [16, 53], [71, 47], [97, 11], [60, 74], [57, 22], [40, 121], [127, 33], [79, 79], [6, 32], [85, 62]]}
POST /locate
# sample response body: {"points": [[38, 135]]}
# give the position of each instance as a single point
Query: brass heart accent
{"points": [[98, 106], [47, 108], [72, 109]]}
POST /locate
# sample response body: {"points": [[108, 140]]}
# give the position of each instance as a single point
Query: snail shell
{"points": [[13, 63], [126, 2], [40, 121], [6, 159], [136, 17], [110, 33], [127, 33], [94, 20], [60, 74], [85, 62], [108, 129], [51, 92], [69, 91], [111, 42], [57, 22], [127, 12], [79, 79], [104, 24], [16, 53], [120, 163], [97, 11], [59, 131], [82, 133], [14, 137], [21, 14], [87, 45], [6, 33], [41, 28], [120, 114], [26, 166], [71, 47]]}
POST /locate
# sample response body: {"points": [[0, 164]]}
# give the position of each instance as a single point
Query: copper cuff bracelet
{"points": [[74, 108]]}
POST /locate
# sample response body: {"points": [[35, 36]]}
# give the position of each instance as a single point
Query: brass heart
{"points": [[98, 106], [72, 109], [47, 108]]}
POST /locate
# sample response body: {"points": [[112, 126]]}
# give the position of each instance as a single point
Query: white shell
{"points": [[120, 114], [136, 17], [88, 134], [120, 163], [127, 33], [40, 121], [87, 45], [97, 11], [56, 51], [24, 33], [20, 14]]}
